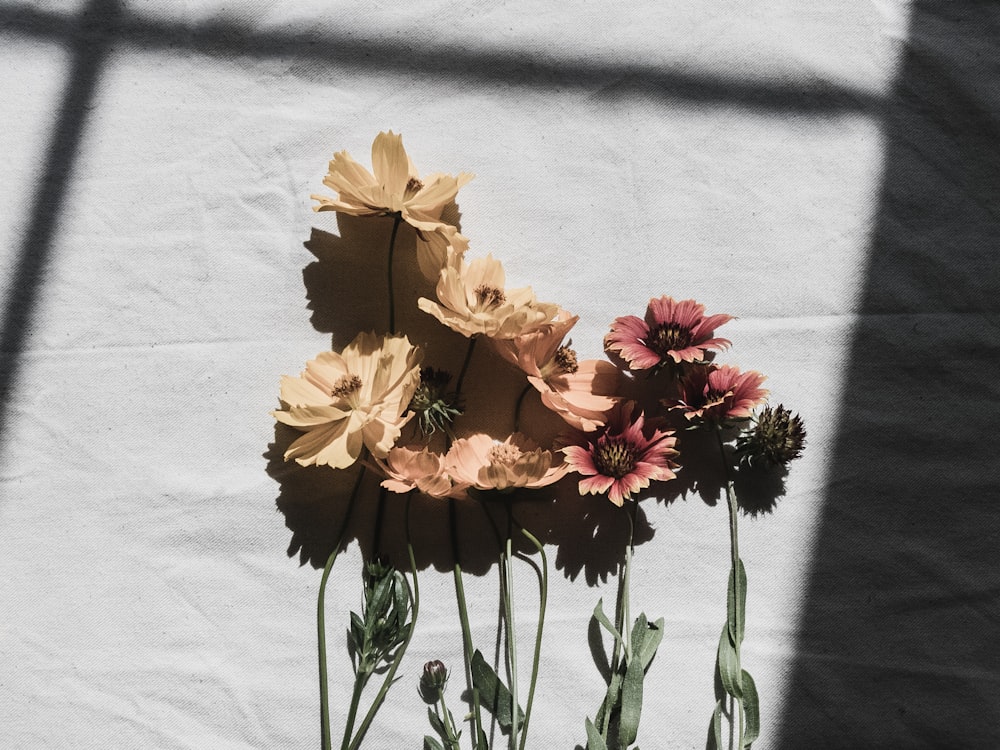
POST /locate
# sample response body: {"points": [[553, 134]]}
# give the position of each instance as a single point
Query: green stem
{"points": [[360, 680], [324, 697], [734, 546], [414, 596], [622, 618], [517, 407], [324, 690], [511, 628], [543, 587], [392, 250], [451, 741], [463, 616]]}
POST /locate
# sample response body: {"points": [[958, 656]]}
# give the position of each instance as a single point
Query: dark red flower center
{"points": [[614, 458], [566, 359], [489, 297], [668, 337]]}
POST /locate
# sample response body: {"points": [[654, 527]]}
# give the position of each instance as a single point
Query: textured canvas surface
{"points": [[827, 174]]}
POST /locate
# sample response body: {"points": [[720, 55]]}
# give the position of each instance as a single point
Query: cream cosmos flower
{"points": [[395, 189], [472, 299], [354, 398]]}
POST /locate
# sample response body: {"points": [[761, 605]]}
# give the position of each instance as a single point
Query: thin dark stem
{"points": [[392, 250], [517, 407], [379, 515], [465, 366]]}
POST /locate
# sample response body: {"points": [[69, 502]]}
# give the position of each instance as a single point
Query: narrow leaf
{"points": [[717, 726], [594, 739], [436, 724], [611, 700], [628, 726], [493, 694], [431, 744], [751, 705], [737, 616], [606, 623], [651, 642], [729, 666]]}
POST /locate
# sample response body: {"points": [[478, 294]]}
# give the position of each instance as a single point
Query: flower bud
{"points": [[435, 407], [776, 439], [432, 681]]}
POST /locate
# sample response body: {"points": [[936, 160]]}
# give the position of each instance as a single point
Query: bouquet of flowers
{"points": [[385, 405]]}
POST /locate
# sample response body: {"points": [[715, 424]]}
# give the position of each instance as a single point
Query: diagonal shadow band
{"points": [[783, 94], [86, 61]]}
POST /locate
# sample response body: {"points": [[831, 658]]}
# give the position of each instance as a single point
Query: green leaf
{"points": [[611, 700], [493, 694], [736, 633], [751, 706], [646, 648], [628, 726], [431, 744], [594, 739], [717, 726], [729, 665], [436, 723], [606, 623]]}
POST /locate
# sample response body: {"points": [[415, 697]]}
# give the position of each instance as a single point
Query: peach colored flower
{"points": [[677, 331], [396, 188], [354, 398], [581, 392], [620, 460], [410, 469], [480, 461], [472, 300], [719, 394]]}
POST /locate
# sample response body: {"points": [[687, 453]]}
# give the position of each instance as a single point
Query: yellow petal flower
{"points": [[472, 300], [344, 401], [395, 188]]}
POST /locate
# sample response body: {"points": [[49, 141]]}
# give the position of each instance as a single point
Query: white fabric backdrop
{"points": [[158, 162]]}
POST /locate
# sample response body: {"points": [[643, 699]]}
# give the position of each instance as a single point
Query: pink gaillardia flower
{"points": [[472, 300], [672, 331], [411, 469], [396, 189], [352, 399], [481, 462], [621, 459], [719, 394], [581, 392]]}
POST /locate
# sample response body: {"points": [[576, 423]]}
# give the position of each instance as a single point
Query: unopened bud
{"points": [[432, 681]]}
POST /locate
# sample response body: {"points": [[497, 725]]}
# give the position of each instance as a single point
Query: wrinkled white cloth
{"points": [[827, 175]]}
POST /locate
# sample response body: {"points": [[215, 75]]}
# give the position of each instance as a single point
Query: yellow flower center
{"points": [[489, 297], [614, 459], [504, 454], [669, 337], [345, 386]]}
